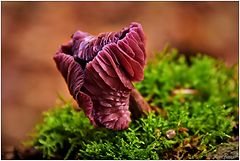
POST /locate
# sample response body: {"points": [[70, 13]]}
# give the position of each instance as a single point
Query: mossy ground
{"points": [[201, 120]]}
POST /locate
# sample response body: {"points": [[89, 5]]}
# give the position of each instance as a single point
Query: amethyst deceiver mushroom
{"points": [[98, 71]]}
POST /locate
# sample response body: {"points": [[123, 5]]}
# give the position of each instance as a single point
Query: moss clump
{"points": [[200, 120]]}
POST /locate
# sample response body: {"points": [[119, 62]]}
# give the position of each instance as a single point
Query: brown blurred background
{"points": [[33, 31]]}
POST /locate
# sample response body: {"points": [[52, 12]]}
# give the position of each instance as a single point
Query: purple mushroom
{"points": [[99, 71]]}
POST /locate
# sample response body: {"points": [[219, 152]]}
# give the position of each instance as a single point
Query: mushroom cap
{"points": [[99, 71]]}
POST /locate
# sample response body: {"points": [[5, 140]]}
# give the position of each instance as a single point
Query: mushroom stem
{"points": [[137, 105]]}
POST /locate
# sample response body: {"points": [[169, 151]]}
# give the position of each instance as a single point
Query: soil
{"points": [[226, 151]]}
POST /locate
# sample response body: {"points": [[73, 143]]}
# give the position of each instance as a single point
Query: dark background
{"points": [[33, 31]]}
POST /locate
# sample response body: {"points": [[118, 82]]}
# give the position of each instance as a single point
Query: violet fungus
{"points": [[99, 71]]}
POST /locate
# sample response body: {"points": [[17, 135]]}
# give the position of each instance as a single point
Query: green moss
{"points": [[201, 120]]}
